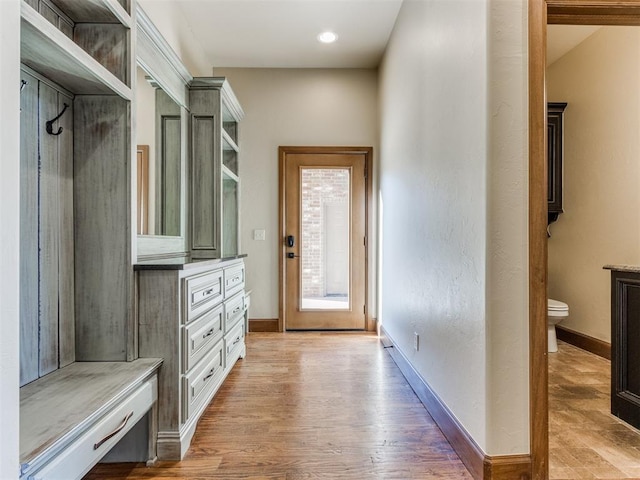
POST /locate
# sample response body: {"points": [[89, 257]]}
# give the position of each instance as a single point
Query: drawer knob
{"points": [[115, 432]]}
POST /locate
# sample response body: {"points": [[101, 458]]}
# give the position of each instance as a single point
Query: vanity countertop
{"points": [[182, 263], [623, 268]]}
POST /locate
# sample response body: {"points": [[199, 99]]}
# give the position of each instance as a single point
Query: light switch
{"points": [[259, 234]]}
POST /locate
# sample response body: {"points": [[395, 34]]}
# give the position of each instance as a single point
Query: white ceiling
{"points": [[282, 33], [563, 38]]}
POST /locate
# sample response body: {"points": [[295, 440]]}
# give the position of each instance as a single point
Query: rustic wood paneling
{"points": [[49, 231], [103, 273], [107, 43], [29, 230], [66, 292]]}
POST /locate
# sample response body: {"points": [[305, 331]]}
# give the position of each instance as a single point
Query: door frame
{"points": [[541, 13], [283, 151]]}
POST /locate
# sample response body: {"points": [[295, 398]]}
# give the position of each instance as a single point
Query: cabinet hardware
{"points": [[235, 341], [209, 375], [208, 334], [23, 83], [115, 432]]}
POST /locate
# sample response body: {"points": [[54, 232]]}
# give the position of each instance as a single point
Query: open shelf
{"points": [[228, 143], [94, 11], [226, 172], [51, 53]]}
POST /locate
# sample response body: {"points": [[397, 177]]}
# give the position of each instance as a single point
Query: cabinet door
{"points": [[554, 156]]}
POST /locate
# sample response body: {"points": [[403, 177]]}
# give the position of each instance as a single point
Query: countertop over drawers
{"points": [[183, 263]]}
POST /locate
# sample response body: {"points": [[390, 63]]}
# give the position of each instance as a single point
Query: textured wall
{"points": [[453, 196], [600, 225]]}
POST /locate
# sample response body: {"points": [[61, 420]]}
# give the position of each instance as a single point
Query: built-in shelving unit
{"points": [[215, 190], [80, 374], [47, 50]]}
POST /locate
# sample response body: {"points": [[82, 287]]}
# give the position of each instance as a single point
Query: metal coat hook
{"points": [[23, 83], [50, 122]]}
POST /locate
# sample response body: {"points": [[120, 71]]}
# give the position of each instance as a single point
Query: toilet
{"points": [[556, 312]]}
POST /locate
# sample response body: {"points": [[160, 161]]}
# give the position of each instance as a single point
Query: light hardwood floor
{"points": [[310, 406], [585, 440]]}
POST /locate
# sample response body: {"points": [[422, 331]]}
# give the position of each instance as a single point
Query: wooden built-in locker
{"points": [[47, 334]]}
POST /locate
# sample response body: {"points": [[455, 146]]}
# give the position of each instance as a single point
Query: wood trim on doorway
{"points": [[541, 13], [283, 151]]}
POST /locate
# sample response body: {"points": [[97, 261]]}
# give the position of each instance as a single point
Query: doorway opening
{"points": [[542, 12]]}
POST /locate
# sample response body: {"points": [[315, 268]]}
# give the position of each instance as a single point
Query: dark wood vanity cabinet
{"points": [[555, 112], [625, 343]]}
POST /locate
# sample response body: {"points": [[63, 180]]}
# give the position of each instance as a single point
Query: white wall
{"points": [[453, 188], [9, 235], [316, 107], [600, 225]]}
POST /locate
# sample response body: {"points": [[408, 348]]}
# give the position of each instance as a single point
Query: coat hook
{"points": [[50, 122]]}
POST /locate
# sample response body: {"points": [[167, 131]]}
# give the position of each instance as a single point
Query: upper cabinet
{"points": [[215, 180], [555, 113]]}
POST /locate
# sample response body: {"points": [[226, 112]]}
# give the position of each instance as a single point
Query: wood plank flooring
{"points": [[310, 406], [585, 440]]}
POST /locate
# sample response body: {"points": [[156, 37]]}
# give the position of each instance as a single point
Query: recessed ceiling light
{"points": [[327, 37]]}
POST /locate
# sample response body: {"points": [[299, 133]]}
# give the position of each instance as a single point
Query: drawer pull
{"points": [[209, 333], [115, 432], [198, 297], [235, 341], [209, 375], [236, 310], [234, 280]]}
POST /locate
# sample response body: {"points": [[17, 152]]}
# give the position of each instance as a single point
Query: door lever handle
{"points": [[292, 255]]}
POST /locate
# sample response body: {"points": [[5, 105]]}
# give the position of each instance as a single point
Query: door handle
{"points": [[292, 255]]}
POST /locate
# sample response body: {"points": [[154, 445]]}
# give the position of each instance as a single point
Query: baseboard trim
{"points": [[481, 466], [585, 342], [507, 467], [263, 324]]}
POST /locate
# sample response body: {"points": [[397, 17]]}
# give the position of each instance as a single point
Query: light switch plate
{"points": [[259, 234]]}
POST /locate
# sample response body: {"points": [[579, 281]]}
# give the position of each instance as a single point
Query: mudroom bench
{"points": [[71, 418]]}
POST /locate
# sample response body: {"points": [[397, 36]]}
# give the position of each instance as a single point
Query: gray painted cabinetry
{"points": [[215, 114], [193, 316], [80, 374]]}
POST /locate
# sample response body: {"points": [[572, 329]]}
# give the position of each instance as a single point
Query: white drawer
{"points": [[234, 342], [233, 311], [203, 292], [81, 455], [201, 380], [233, 279], [200, 335]]}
